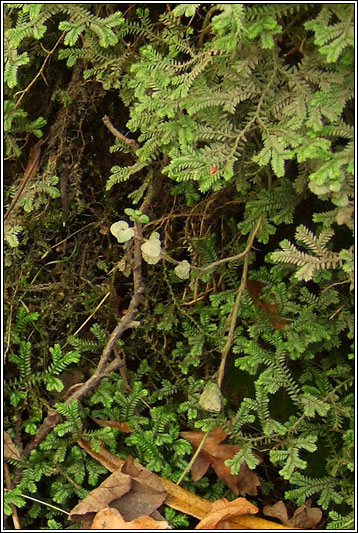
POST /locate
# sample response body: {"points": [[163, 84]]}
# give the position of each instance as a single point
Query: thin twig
{"points": [[205, 26], [334, 284], [8, 334], [15, 517], [191, 462], [42, 502], [167, 257], [50, 422], [126, 322], [132, 143], [30, 172], [67, 238], [235, 310], [91, 315], [40, 71], [103, 368]]}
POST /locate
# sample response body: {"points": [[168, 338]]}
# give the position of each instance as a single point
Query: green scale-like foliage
{"points": [[314, 394], [27, 378]]}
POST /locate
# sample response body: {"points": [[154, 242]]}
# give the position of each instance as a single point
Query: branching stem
{"points": [[235, 310], [129, 142], [103, 368], [40, 72]]}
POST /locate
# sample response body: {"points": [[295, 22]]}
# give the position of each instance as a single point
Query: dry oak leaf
{"points": [[146, 495], [10, 450], [305, 517], [132, 490], [215, 454], [179, 498], [278, 510], [112, 488], [110, 518], [221, 512]]}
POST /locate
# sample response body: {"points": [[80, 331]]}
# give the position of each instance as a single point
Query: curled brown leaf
{"points": [[109, 518], [221, 512], [214, 453]]}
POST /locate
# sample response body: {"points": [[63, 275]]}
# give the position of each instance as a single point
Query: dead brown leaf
{"points": [[221, 512], [112, 488], [146, 495], [121, 426], [109, 518], [215, 436], [200, 466], [132, 490], [10, 450], [305, 517], [179, 498], [103, 457], [255, 289], [278, 510], [214, 454]]}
